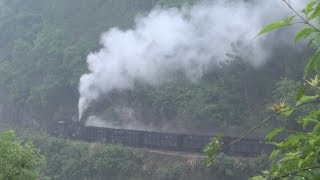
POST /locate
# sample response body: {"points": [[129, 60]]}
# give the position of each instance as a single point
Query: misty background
{"points": [[190, 40], [182, 66], [152, 65]]}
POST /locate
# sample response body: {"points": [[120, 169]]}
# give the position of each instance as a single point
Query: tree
{"points": [[298, 156], [297, 152], [175, 3], [18, 159]]}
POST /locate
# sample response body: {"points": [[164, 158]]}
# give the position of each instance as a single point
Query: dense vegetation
{"points": [[296, 153], [75, 160], [18, 159], [66, 159], [297, 156], [43, 49], [78, 160], [44, 45]]}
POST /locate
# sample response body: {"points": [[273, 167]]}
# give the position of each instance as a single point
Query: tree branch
{"points": [[252, 130], [296, 172], [299, 15]]}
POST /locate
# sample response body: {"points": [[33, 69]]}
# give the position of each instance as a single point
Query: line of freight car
{"points": [[157, 140], [171, 141]]}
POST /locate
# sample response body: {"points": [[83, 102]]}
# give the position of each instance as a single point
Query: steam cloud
{"points": [[186, 39]]}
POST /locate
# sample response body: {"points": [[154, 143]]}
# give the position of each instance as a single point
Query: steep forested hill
{"points": [[43, 49], [44, 45]]}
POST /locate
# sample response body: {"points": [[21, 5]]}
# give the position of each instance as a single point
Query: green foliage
{"points": [[44, 45], [236, 168], [19, 160], [175, 3], [213, 148], [297, 156], [188, 102], [273, 133], [171, 171], [284, 91], [303, 34], [76, 160], [313, 64], [43, 49], [284, 94], [277, 25]]}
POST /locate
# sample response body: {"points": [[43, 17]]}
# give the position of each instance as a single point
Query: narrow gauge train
{"points": [[156, 140]]}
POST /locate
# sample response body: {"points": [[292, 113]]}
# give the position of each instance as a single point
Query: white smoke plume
{"points": [[187, 39]]}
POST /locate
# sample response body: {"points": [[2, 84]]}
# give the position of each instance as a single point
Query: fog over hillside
{"points": [[189, 39]]}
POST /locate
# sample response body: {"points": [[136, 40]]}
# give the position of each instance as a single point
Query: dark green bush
{"points": [[78, 160], [171, 171]]}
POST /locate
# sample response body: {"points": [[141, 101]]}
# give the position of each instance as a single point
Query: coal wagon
{"points": [[158, 140]]}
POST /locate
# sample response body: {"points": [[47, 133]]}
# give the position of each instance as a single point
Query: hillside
{"points": [[43, 51]]}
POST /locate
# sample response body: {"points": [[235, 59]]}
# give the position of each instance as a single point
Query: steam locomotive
{"points": [[156, 140]]}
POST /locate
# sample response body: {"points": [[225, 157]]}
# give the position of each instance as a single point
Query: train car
{"points": [[157, 140], [246, 147], [166, 141], [57, 129], [66, 129], [89, 133], [109, 135], [124, 137], [195, 143]]}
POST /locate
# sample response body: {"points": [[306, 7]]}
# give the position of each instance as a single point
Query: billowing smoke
{"points": [[187, 39]]}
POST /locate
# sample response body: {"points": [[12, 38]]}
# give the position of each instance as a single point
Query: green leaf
{"points": [[293, 140], [273, 133], [287, 112], [316, 12], [306, 99], [258, 178], [312, 141], [313, 63], [304, 33], [300, 163], [311, 42], [289, 156], [309, 7], [310, 118], [275, 144], [300, 94], [275, 153], [316, 128], [308, 121], [276, 25], [308, 175]]}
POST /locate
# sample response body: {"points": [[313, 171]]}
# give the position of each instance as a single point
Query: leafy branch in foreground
{"points": [[18, 159], [216, 145], [298, 156], [297, 152], [311, 32]]}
